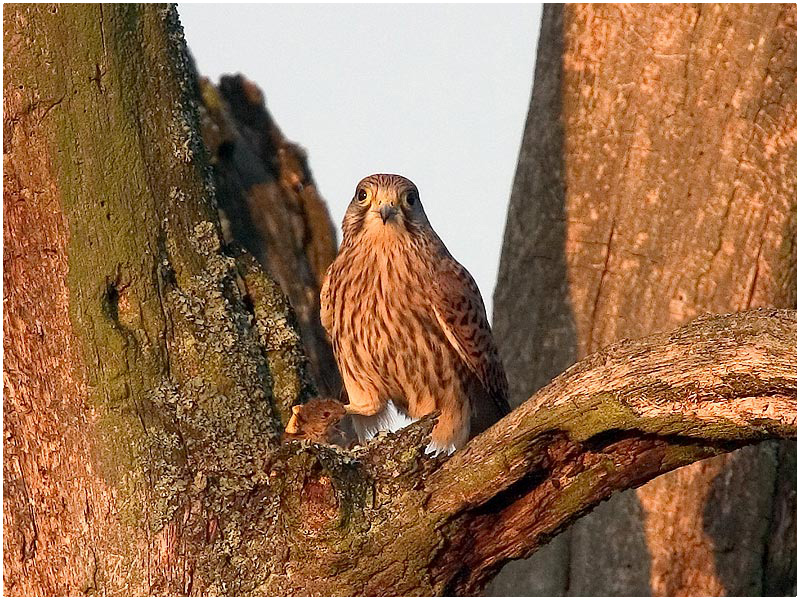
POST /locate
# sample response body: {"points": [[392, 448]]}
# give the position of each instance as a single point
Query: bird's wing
{"points": [[461, 314], [325, 301]]}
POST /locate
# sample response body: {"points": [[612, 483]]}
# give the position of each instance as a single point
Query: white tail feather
{"points": [[391, 419]]}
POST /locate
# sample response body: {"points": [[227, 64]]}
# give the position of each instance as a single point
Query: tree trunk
{"points": [[138, 398], [656, 182], [150, 369]]}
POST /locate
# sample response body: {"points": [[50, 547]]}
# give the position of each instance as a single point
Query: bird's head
{"points": [[385, 204]]}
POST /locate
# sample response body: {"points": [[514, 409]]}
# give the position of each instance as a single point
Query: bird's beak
{"points": [[387, 212]]}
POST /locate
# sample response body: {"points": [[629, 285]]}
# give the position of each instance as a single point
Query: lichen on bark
{"points": [[183, 421]]}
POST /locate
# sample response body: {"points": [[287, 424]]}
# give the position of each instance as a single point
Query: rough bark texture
{"points": [[149, 370], [270, 205], [138, 376], [656, 182]]}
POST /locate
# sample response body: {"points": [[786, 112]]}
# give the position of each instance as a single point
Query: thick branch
{"points": [[613, 421]]}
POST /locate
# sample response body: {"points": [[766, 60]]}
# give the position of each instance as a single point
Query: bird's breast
{"points": [[385, 331]]}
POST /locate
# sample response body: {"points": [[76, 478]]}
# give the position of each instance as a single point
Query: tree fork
{"points": [[145, 387], [386, 519]]}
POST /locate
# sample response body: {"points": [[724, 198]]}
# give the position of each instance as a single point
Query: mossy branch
{"points": [[613, 421]]}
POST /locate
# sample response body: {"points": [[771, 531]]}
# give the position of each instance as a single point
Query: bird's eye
{"points": [[411, 198], [361, 195]]}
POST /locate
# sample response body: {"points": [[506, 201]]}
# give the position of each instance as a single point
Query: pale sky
{"points": [[438, 93]]}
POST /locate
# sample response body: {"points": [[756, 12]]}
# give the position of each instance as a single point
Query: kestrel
{"points": [[407, 322]]}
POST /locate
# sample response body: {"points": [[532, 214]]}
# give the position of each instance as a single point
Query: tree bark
{"points": [[149, 370], [139, 378], [270, 205], [656, 182]]}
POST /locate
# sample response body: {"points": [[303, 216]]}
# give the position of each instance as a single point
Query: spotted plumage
{"points": [[407, 322]]}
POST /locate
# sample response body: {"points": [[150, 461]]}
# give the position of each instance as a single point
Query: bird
{"points": [[407, 323]]}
